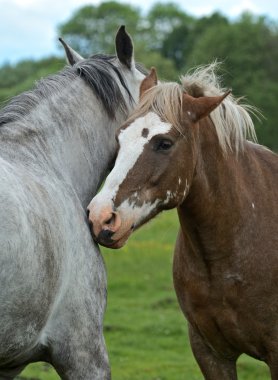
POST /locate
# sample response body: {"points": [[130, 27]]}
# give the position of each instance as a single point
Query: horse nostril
{"points": [[110, 220], [105, 235], [88, 213]]}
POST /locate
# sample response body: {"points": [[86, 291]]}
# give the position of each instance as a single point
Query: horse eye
{"points": [[163, 145]]}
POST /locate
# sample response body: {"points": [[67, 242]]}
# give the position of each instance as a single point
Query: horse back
{"points": [[259, 193]]}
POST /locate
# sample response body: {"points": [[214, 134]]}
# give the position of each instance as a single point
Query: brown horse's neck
{"points": [[213, 210]]}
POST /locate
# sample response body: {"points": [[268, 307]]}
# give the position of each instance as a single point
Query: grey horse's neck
{"points": [[68, 135]]}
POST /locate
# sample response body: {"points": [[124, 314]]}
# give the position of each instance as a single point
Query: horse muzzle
{"points": [[106, 227]]}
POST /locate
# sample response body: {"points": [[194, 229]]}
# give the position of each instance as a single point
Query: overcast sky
{"points": [[28, 28]]}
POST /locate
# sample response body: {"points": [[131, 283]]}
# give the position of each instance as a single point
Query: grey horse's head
{"points": [[97, 68]]}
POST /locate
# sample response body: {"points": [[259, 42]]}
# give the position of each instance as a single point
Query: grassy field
{"points": [[145, 331]]}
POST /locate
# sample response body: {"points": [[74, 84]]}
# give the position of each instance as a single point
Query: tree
{"points": [[15, 79], [92, 28], [248, 49], [161, 21], [173, 41], [179, 43]]}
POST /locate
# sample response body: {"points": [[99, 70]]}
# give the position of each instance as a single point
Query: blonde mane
{"points": [[232, 120]]}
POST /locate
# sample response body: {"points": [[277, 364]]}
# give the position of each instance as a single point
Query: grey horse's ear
{"points": [[124, 47], [71, 54]]}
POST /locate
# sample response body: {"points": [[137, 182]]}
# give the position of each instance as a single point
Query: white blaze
{"points": [[132, 144]]}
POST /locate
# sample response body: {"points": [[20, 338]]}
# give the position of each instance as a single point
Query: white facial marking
{"points": [[169, 196], [179, 181], [186, 188], [253, 206], [137, 213], [132, 144]]}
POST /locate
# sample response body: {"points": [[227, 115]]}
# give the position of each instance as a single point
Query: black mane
{"points": [[97, 71]]}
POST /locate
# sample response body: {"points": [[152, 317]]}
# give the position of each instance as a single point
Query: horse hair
{"points": [[97, 71], [231, 119]]}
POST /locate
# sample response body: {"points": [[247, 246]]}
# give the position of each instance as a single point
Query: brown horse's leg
{"points": [[273, 365], [212, 366], [274, 373]]}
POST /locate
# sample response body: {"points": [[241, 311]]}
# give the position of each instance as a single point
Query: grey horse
{"points": [[56, 144]]}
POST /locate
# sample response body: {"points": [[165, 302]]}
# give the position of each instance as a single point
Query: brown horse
{"points": [[186, 147]]}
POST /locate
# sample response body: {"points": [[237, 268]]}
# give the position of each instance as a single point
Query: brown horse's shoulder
{"points": [[190, 276], [198, 303], [220, 301]]}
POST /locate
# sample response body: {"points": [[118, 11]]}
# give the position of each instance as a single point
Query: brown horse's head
{"points": [[155, 163]]}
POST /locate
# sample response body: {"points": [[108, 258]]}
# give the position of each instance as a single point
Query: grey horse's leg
{"points": [[80, 354], [212, 367]]}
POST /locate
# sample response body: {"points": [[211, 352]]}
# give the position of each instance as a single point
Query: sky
{"points": [[28, 28]]}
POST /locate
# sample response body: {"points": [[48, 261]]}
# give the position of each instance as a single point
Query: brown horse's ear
{"points": [[148, 82], [198, 108]]}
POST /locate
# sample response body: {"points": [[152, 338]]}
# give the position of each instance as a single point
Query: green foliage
{"points": [[15, 79], [165, 67], [92, 28], [173, 41], [145, 330], [179, 43], [248, 49], [164, 19]]}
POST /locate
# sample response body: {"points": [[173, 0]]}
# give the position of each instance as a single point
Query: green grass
{"points": [[145, 331]]}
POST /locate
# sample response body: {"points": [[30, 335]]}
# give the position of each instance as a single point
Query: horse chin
{"points": [[118, 243]]}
